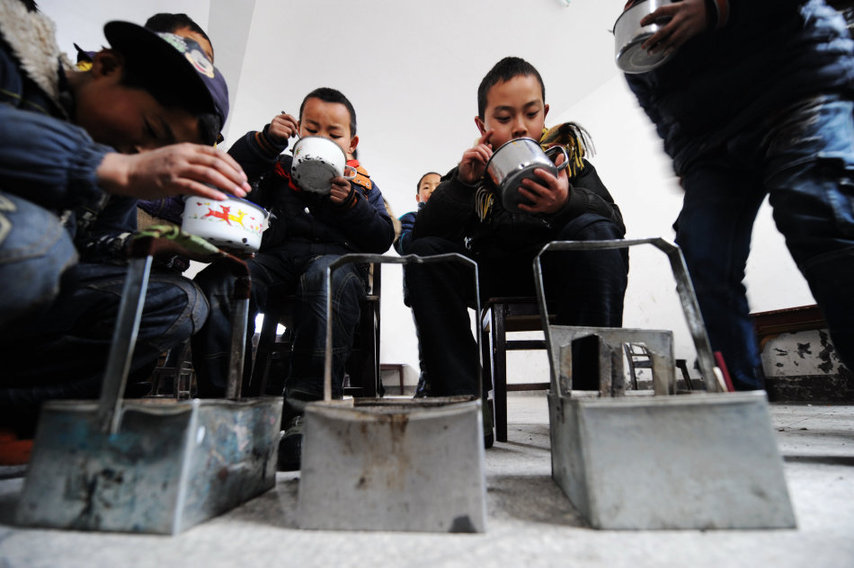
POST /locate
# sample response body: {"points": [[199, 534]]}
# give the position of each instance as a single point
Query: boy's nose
{"points": [[519, 128]]}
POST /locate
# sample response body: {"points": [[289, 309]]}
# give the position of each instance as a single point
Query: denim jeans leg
{"points": [[811, 185], [714, 230], [63, 353], [305, 381], [35, 250]]}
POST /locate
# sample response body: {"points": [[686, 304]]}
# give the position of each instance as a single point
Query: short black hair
{"points": [[164, 22], [328, 95], [418, 185], [504, 70]]}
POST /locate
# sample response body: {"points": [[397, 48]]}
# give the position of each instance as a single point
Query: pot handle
{"points": [[350, 177], [565, 156]]}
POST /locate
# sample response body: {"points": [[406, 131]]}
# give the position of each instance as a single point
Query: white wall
{"points": [[412, 70]]}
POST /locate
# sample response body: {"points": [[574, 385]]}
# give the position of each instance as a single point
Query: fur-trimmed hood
{"points": [[31, 36]]}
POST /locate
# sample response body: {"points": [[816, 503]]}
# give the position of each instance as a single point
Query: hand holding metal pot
{"points": [[648, 32], [527, 179], [688, 18]]}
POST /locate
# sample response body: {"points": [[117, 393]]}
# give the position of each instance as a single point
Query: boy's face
{"points": [[128, 119], [514, 109], [426, 187], [330, 120]]}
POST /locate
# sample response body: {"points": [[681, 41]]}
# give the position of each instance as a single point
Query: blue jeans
{"points": [[62, 353], [35, 250], [803, 159], [280, 273]]}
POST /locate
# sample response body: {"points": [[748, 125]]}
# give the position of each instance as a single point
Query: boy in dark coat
{"points": [[465, 215], [308, 232]]}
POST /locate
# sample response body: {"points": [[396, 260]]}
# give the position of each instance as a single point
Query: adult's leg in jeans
{"points": [[811, 168], [714, 230], [305, 381], [440, 293], [592, 284], [35, 250], [63, 353]]}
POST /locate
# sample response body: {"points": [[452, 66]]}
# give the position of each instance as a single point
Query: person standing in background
{"points": [[755, 100]]}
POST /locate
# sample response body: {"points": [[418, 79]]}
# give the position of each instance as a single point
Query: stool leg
{"points": [[487, 383], [261, 366], [499, 371]]}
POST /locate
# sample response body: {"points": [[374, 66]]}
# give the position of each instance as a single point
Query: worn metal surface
{"points": [[153, 466], [698, 461], [413, 465], [684, 288], [123, 341], [170, 465], [408, 465], [360, 258], [612, 371]]}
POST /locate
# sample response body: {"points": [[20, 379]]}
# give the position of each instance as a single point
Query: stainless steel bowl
{"points": [[629, 35], [515, 161]]}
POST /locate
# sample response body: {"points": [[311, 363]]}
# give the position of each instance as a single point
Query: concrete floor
{"points": [[530, 521]]}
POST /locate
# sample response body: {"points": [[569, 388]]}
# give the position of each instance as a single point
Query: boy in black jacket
{"points": [[308, 232], [465, 215]]}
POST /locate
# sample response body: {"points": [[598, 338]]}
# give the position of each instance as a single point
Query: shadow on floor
{"points": [[530, 499]]}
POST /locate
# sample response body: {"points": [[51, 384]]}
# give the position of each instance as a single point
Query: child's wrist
{"points": [[269, 143], [349, 201]]}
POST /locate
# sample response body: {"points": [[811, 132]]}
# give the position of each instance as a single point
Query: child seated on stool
{"points": [[307, 233]]}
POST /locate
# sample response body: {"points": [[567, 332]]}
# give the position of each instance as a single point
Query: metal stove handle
{"points": [[684, 287], [382, 259]]}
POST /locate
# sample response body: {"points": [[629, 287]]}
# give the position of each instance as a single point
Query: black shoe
{"points": [[290, 446], [422, 389]]}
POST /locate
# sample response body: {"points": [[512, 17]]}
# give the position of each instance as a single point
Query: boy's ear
{"points": [[354, 141], [107, 62], [545, 110], [480, 125]]}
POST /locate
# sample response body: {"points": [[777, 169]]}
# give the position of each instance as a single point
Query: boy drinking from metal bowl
{"points": [[310, 230], [465, 215]]}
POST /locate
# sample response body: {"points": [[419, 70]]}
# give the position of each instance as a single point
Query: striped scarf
{"points": [[573, 137]]}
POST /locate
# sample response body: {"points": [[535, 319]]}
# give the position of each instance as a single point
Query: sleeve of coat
{"points": [[49, 161], [449, 211]]}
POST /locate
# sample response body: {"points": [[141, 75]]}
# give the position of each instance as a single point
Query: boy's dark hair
{"points": [[504, 70], [328, 95], [418, 185], [165, 22]]}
